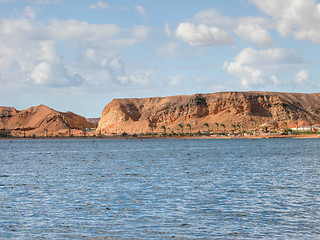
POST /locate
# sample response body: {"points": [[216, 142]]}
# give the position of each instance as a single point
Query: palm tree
{"points": [[224, 126], [234, 127], [217, 124], [164, 130], [189, 126], [297, 123], [239, 127], [151, 126], [181, 126], [207, 125]]}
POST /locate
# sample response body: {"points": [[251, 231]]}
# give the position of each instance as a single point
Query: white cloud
{"points": [[170, 50], [202, 35], [28, 49], [99, 5], [141, 32], [176, 80], [141, 77], [255, 34], [210, 27], [249, 76], [167, 29], [212, 17], [268, 57], [141, 10], [302, 78], [123, 8], [29, 12], [300, 18], [82, 33], [55, 74], [257, 68]]}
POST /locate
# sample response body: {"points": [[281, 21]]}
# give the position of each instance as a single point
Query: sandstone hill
{"points": [[41, 121], [219, 111]]}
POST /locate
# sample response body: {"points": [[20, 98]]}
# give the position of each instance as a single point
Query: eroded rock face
{"points": [[41, 121], [248, 109]]}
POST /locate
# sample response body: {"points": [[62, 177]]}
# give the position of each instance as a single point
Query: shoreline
{"points": [[264, 136]]}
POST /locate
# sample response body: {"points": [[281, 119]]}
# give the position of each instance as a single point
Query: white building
{"points": [[314, 128]]}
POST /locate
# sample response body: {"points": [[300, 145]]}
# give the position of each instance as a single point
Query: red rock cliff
{"points": [[248, 109], [41, 121]]}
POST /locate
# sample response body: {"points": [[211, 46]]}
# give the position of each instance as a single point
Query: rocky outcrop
{"points": [[219, 110], [41, 121]]}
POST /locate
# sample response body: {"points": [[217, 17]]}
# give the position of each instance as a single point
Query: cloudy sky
{"points": [[78, 55]]}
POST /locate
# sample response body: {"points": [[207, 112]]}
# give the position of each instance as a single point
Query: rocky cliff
{"points": [[219, 111], [41, 121]]}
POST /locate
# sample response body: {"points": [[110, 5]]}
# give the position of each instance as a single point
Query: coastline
{"points": [[260, 136]]}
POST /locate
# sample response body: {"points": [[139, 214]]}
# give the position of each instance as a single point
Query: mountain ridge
{"points": [[250, 109], [41, 120]]}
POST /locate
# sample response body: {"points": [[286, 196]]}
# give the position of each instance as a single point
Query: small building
{"points": [[313, 128]]}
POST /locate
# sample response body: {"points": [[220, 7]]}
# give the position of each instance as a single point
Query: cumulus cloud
{"points": [[202, 35], [300, 18], [30, 49], [120, 75], [210, 27], [54, 74], [257, 68], [249, 76], [255, 34], [141, 77], [99, 5], [268, 57], [82, 33], [212, 17], [302, 78], [112, 71], [141, 10]]}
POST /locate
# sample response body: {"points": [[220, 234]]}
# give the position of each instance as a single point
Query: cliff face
{"points": [[41, 121], [248, 109]]}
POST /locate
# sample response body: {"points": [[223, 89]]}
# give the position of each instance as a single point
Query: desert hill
{"points": [[248, 110], [41, 121]]}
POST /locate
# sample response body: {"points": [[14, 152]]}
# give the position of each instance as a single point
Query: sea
{"points": [[160, 189]]}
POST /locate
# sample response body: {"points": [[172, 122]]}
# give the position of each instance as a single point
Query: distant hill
{"points": [[41, 121], [94, 121], [246, 109]]}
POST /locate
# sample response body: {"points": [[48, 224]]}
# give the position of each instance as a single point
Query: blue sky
{"points": [[77, 55]]}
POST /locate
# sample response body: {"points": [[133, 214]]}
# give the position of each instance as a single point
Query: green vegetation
{"points": [[164, 130], [189, 126], [151, 126], [217, 124], [181, 126], [5, 133]]}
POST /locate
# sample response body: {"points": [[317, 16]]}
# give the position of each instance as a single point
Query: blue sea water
{"points": [[160, 189]]}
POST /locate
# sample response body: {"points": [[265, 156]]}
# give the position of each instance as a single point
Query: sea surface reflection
{"points": [[160, 189]]}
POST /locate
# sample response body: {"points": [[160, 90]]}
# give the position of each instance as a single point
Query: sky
{"points": [[78, 55]]}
